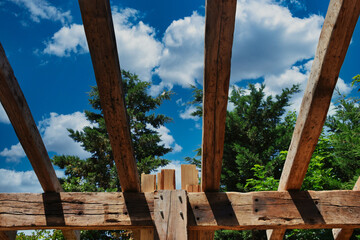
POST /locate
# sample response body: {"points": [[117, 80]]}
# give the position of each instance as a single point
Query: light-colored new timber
{"points": [[167, 179], [99, 30], [219, 30], [335, 37], [18, 111], [345, 233], [189, 175], [209, 211]]}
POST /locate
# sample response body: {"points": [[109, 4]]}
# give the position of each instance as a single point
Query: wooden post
{"points": [[171, 214], [167, 179], [8, 235], [148, 184], [190, 182]]}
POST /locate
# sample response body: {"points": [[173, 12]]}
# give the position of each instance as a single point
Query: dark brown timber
{"points": [[219, 30], [335, 37], [99, 29]]}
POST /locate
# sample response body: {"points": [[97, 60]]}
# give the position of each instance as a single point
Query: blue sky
{"points": [[161, 41]]}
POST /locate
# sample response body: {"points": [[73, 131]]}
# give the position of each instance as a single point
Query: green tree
{"points": [[98, 172]]}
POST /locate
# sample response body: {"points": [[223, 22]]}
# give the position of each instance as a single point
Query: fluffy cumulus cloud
{"points": [[139, 51], [14, 154], [13, 181], [186, 114], [42, 9], [69, 39], [55, 136], [183, 56], [166, 139], [3, 116]]}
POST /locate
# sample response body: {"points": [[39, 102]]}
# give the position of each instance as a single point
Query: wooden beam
{"points": [[189, 175], [219, 30], [335, 37], [99, 30], [208, 211], [171, 214], [345, 233], [18, 111]]}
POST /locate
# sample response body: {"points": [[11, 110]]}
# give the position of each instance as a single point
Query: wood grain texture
{"points": [[148, 182], [335, 37], [189, 175], [99, 30], [219, 30], [208, 211], [345, 233], [160, 182], [18, 111], [171, 214], [168, 179]]}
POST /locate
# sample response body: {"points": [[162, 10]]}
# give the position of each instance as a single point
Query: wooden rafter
{"points": [[18, 111], [99, 30], [334, 40], [219, 30], [208, 211]]}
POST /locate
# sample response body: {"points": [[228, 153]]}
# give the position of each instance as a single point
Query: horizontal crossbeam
{"points": [[208, 211]]}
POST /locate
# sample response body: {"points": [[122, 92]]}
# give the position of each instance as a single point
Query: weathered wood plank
{"points": [[209, 211], [334, 40], [219, 30], [171, 214], [345, 233], [99, 30], [18, 111]]}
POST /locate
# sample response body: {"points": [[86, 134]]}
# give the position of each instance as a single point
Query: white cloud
{"points": [[16, 182], [14, 154], [3, 116], [42, 9], [67, 40], [166, 139], [13, 181], [183, 55], [186, 114], [138, 49], [56, 137]]}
